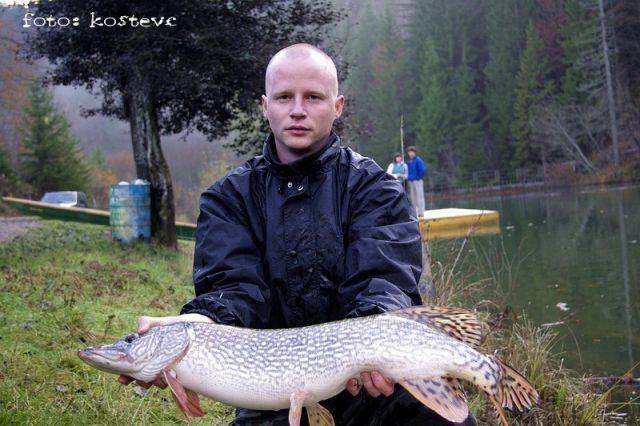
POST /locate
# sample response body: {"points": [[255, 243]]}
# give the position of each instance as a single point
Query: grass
{"points": [[65, 286], [566, 398]]}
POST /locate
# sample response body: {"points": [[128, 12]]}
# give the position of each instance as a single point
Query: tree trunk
{"points": [[613, 123], [147, 153]]}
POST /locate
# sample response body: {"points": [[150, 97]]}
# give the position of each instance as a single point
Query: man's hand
{"points": [[374, 382], [145, 324]]}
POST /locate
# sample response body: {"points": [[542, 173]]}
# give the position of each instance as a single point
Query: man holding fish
{"points": [[306, 233]]}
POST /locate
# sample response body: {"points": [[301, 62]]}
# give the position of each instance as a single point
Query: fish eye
{"points": [[130, 338]]}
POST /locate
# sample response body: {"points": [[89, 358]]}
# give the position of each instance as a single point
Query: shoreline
{"points": [[522, 189]]}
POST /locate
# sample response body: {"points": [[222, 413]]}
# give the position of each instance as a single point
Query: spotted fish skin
{"points": [[262, 369]]}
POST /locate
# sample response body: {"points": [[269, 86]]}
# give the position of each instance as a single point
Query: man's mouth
{"points": [[297, 130]]}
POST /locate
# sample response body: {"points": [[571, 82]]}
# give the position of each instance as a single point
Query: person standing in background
{"points": [[398, 168], [415, 175]]}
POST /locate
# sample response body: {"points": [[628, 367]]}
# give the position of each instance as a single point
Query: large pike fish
{"points": [[424, 349]]}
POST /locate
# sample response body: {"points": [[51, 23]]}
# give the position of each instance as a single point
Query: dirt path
{"points": [[13, 226]]}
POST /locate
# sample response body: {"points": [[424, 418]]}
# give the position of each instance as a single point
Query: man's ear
{"points": [[263, 100], [339, 106]]}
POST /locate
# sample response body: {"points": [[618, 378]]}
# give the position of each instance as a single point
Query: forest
{"points": [[492, 89], [489, 91]]}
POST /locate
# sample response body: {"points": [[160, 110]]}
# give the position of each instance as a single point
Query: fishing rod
{"points": [[402, 136]]}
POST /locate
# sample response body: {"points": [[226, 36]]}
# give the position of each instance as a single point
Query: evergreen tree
{"points": [[360, 77], [549, 18], [385, 90], [506, 27], [448, 115], [52, 160], [7, 173], [468, 128], [580, 44], [8, 176], [375, 86], [425, 28], [582, 110], [531, 89], [433, 115]]}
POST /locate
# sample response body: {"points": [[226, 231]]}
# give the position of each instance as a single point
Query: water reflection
{"points": [[575, 248], [624, 254]]}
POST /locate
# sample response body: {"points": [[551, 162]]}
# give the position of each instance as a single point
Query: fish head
{"points": [[141, 356]]}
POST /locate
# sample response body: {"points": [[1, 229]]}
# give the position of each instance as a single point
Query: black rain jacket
{"points": [[328, 237]]}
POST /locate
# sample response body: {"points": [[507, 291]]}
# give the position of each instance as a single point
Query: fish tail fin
{"points": [[514, 391], [499, 410]]}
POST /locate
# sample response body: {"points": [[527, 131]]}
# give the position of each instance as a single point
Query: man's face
{"points": [[301, 104], [412, 154]]}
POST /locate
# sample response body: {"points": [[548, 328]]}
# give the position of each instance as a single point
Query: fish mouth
{"points": [[107, 360], [96, 354]]}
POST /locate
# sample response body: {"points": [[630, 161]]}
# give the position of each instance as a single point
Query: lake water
{"points": [[581, 249]]}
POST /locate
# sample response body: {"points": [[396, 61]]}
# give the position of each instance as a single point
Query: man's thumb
{"points": [[145, 323]]}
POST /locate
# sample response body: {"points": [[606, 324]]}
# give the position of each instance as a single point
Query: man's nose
{"points": [[297, 108]]}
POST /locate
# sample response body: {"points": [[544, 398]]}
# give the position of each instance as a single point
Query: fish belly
{"points": [[263, 369], [260, 392]]}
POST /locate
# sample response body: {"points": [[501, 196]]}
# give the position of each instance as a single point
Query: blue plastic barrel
{"points": [[130, 211]]}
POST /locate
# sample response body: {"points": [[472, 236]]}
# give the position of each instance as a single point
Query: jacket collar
{"points": [[308, 165]]}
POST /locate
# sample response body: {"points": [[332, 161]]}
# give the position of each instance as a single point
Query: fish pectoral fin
{"points": [[443, 395], [319, 416], [295, 410], [458, 323], [187, 400]]}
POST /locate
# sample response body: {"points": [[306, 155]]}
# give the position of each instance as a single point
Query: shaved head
{"points": [[305, 52], [301, 100]]}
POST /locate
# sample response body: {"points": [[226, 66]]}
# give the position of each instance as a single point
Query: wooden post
{"points": [[425, 285]]}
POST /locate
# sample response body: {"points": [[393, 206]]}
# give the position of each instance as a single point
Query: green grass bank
{"points": [[67, 286]]}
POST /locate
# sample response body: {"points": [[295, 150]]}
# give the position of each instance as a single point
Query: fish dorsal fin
{"points": [[458, 323], [443, 395], [514, 391], [187, 400], [319, 416]]}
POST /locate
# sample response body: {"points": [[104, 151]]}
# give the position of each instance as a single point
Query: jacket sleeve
{"points": [[384, 251], [227, 269], [422, 168]]}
